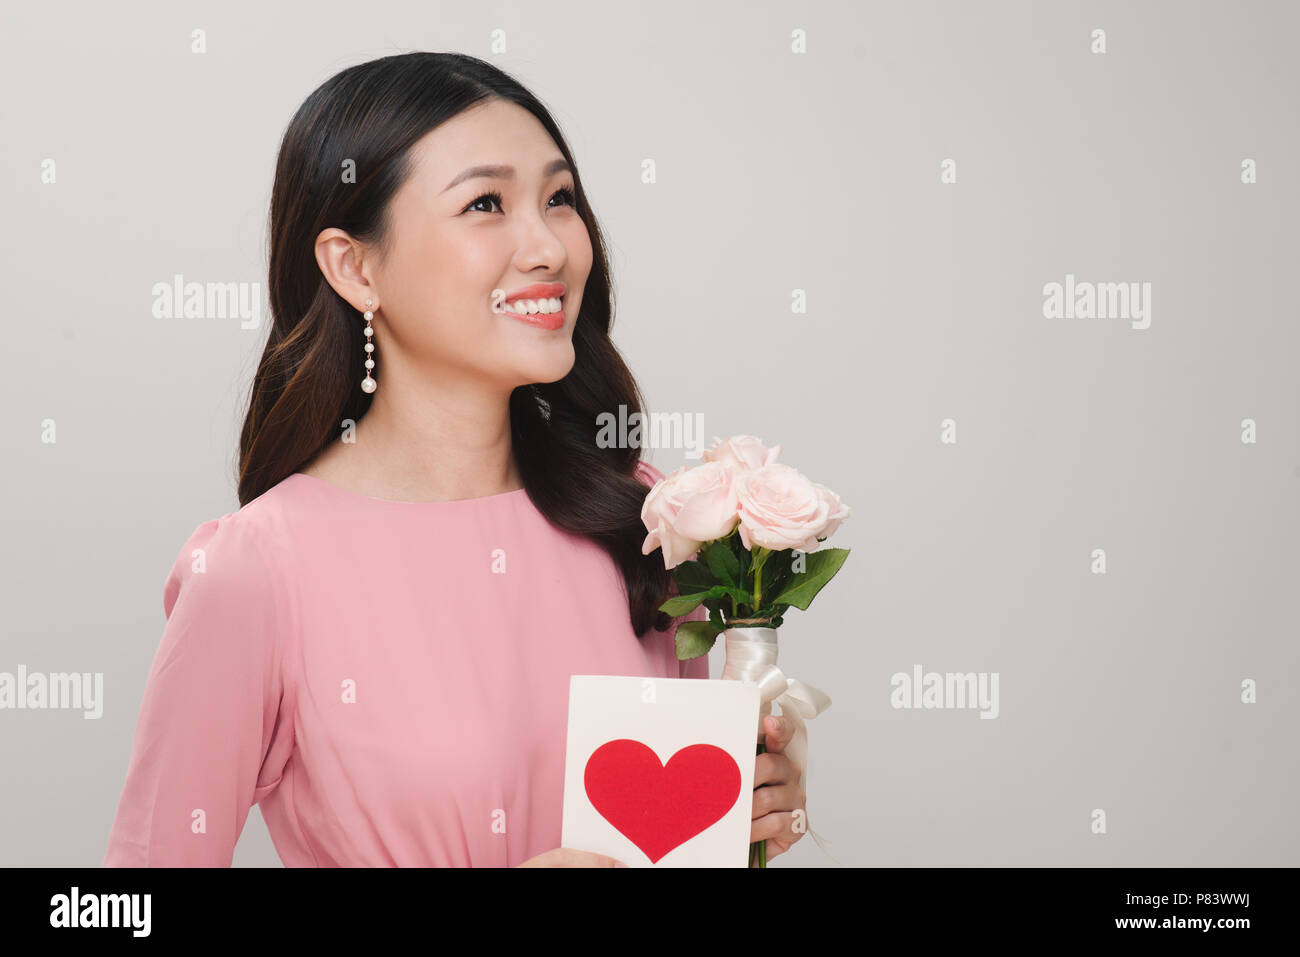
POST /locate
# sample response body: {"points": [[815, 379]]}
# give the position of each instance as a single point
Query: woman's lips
{"points": [[550, 320]]}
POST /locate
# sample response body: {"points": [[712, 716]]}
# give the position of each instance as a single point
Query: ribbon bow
{"points": [[751, 658]]}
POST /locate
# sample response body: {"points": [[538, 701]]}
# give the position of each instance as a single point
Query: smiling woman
{"points": [[450, 541], [453, 251], [465, 196]]}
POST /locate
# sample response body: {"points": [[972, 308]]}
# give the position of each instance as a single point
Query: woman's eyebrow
{"points": [[505, 172]]}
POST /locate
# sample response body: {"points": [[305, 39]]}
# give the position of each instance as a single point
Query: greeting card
{"points": [[659, 772]]}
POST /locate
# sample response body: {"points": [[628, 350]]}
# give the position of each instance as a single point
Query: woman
{"points": [[376, 647]]}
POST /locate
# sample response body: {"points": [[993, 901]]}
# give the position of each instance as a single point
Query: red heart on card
{"points": [[661, 806]]}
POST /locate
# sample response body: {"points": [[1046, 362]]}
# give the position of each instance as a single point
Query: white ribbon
{"points": [[751, 658]]}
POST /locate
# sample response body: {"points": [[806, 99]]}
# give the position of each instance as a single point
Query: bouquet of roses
{"points": [[741, 534]]}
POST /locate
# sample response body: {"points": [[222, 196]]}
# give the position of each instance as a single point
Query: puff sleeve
{"points": [[212, 737], [693, 667]]}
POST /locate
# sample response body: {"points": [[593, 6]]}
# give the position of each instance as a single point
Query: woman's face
{"points": [[453, 248]]}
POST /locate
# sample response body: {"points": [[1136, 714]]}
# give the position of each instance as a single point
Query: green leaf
{"points": [[821, 568], [694, 638], [691, 577], [724, 565], [776, 572], [683, 605]]}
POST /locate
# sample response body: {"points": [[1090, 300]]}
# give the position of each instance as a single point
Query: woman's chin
{"points": [[548, 363]]}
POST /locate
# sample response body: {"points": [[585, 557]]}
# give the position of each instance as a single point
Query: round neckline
{"points": [[340, 490]]}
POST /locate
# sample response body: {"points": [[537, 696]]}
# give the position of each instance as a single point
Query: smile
{"points": [[541, 313]]}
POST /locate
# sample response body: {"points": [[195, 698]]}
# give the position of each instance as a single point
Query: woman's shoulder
{"points": [[223, 553], [237, 553]]}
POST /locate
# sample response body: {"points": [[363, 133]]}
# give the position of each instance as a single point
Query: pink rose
{"points": [[741, 452], [688, 507], [780, 508], [838, 510]]}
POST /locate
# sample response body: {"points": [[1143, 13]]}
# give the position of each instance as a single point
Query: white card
{"points": [[659, 772]]}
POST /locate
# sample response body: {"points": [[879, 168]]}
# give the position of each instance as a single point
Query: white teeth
{"points": [[533, 307]]}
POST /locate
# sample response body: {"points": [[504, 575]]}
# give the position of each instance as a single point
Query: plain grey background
{"points": [[776, 171]]}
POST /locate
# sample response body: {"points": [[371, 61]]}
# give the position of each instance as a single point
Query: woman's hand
{"points": [[777, 795], [570, 857]]}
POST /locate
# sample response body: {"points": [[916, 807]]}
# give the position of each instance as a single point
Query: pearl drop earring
{"points": [[368, 384]]}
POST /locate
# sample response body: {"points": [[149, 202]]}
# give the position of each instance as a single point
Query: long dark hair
{"points": [[307, 381]]}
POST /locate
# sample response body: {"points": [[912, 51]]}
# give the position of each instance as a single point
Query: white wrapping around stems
{"points": [[751, 658]]}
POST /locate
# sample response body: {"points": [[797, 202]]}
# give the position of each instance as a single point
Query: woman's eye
{"points": [[486, 197], [494, 197]]}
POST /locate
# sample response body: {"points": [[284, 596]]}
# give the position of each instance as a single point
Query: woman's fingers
{"points": [[778, 734], [774, 769], [776, 798]]}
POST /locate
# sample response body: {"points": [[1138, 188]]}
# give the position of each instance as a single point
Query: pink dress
{"points": [[388, 680]]}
